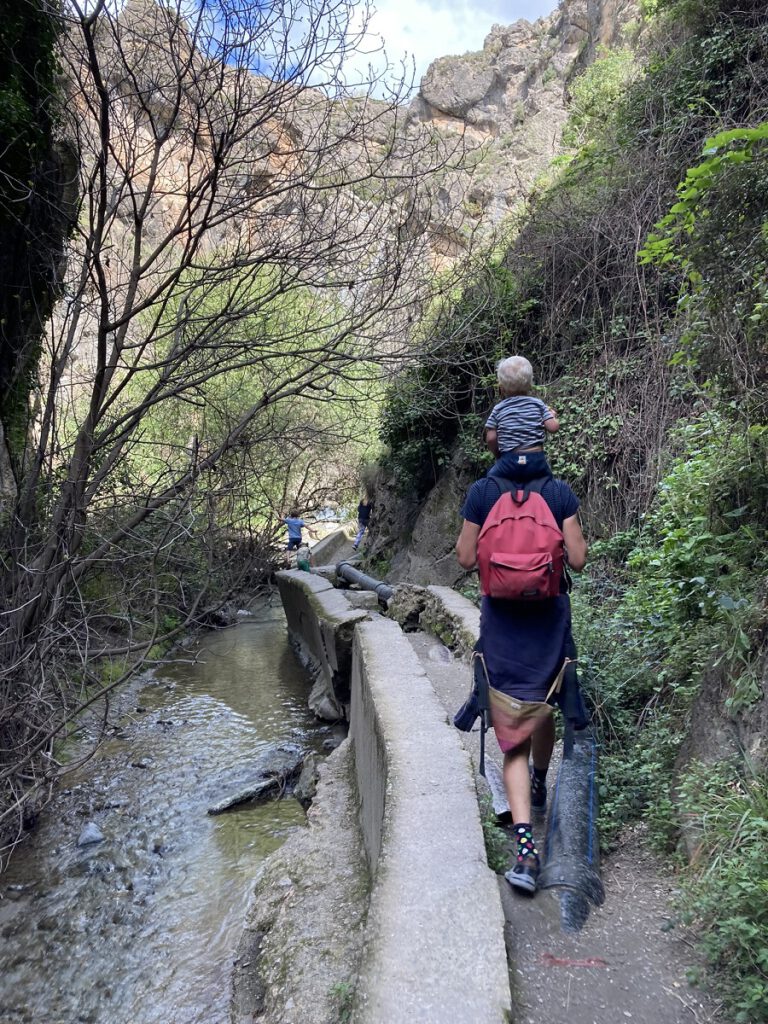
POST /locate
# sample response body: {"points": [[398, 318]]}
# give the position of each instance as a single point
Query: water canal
{"points": [[141, 927]]}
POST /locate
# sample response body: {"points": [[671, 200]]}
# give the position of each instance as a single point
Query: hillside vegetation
{"points": [[636, 283]]}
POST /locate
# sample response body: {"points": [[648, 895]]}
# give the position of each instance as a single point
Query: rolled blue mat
{"points": [[572, 848]]}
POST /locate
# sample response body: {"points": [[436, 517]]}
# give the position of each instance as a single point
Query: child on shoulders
{"points": [[518, 424]]}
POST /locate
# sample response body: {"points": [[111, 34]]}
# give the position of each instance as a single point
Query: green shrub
{"points": [[684, 597], [596, 93], [726, 887]]}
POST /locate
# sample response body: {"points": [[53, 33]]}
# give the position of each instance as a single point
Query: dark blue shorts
{"points": [[522, 466]]}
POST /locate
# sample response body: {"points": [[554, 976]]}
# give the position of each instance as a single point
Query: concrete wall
{"points": [[434, 947], [434, 937], [321, 624], [333, 548]]}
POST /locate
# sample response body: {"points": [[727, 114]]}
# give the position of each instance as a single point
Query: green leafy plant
{"points": [[725, 890], [595, 94], [653, 616], [694, 194], [495, 838], [343, 994]]}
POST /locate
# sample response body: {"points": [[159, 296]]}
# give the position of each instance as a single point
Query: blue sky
{"points": [[426, 29], [416, 30]]}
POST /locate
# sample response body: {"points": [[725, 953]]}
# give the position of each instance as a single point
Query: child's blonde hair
{"points": [[515, 376]]}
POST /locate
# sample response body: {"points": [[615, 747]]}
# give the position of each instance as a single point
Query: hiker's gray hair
{"points": [[515, 376]]}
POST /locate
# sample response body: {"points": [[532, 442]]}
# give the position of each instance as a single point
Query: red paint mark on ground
{"points": [[565, 961]]}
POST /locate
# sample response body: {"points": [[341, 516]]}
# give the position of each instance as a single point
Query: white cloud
{"points": [[423, 30]]}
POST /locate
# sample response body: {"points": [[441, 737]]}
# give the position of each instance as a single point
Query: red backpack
{"points": [[520, 549]]}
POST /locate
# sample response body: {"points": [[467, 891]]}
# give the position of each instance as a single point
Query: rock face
{"points": [[301, 946], [480, 131], [495, 116], [429, 557], [509, 102]]}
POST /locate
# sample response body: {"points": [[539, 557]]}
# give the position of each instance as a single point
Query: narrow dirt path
{"points": [[629, 963]]}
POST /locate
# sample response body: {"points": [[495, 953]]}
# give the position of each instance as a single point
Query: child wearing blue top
{"points": [[295, 524], [518, 424]]}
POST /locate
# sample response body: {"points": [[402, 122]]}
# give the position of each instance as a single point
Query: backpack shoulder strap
{"points": [[537, 484], [505, 485], [512, 487]]}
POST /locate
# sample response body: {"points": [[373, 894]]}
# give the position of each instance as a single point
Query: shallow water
{"points": [[141, 928]]}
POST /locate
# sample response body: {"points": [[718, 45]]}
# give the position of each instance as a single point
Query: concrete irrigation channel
{"points": [[384, 909], [378, 907]]}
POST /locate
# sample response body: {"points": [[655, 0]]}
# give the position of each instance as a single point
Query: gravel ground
{"points": [[630, 962]]}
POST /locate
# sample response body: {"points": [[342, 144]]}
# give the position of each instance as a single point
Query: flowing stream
{"points": [[141, 928]]}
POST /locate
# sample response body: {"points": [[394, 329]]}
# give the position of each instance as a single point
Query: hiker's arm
{"points": [[552, 425], [491, 440], [575, 543], [466, 545]]}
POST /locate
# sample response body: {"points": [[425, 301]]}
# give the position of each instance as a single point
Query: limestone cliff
{"points": [[509, 102], [482, 127], [309, 179]]}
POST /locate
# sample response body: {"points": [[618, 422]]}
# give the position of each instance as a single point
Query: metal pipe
{"points": [[352, 575]]}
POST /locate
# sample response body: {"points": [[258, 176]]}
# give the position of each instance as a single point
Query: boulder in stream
{"points": [[306, 787], [91, 834], [276, 776]]}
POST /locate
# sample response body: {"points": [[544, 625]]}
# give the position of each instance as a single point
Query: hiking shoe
{"points": [[525, 874], [538, 793]]}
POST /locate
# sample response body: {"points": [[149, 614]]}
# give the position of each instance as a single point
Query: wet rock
{"points": [[322, 703], [406, 607], [258, 792], [91, 834], [306, 786], [280, 768], [302, 940], [108, 805], [222, 617]]}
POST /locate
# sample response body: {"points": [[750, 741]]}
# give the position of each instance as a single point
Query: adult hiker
{"points": [[525, 632], [364, 510]]}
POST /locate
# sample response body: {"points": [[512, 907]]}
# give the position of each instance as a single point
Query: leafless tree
{"points": [[249, 247]]}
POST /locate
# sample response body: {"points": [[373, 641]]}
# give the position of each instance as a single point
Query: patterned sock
{"points": [[526, 847], [540, 774]]}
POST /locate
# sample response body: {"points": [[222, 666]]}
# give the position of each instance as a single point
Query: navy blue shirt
{"points": [[484, 493]]}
